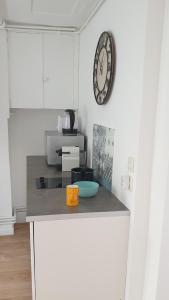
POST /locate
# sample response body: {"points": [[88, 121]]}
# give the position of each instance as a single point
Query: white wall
{"points": [[4, 91], [5, 186], [5, 190], [26, 137], [3, 10], [130, 111], [127, 21]]}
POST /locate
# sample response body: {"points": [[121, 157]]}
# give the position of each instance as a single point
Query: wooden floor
{"points": [[15, 268]]}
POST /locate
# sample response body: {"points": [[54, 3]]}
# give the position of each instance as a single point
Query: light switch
{"points": [[130, 184], [131, 164], [127, 183]]}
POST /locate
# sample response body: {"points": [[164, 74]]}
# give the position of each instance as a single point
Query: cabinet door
{"points": [[81, 258], [59, 70], [25, 70]]}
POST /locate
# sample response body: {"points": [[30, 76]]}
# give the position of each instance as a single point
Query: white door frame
{"points": [[141, 276], [160, 176]]}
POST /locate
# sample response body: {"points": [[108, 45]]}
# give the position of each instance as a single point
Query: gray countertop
{"points": [[50, 204]]}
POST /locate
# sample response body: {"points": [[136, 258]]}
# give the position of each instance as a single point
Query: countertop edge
{"points": [[77, 216]]}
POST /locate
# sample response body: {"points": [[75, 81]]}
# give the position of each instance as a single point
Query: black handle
{"points": [[72, 118], [66, 153], [60, 153]]}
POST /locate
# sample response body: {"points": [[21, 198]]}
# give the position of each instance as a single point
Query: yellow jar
{"points": [[72, 195]]}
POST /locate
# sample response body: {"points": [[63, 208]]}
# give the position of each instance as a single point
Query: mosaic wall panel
{"points": [[102, 159]]}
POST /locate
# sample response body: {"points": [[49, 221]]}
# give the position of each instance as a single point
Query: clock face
{"points": [[104, 68]]}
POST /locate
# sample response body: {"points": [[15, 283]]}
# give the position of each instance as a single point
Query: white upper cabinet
{"points": [[59, 66], [25, 70], [43, 70]]}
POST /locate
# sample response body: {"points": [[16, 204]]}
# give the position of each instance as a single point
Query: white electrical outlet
{"points": [[127, 180]]}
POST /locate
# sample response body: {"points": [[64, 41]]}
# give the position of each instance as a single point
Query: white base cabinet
{"points": [[80, 258]]}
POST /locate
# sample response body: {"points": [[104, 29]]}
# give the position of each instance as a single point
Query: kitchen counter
{"points": [[50, 204]]}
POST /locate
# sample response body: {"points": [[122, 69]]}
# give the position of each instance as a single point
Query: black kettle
{"points": [[70, 130]]}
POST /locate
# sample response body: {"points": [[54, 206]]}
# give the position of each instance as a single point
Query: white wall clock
{"points": [[104, 68]]}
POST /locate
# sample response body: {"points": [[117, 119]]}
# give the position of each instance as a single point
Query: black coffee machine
{"points": [[70, 114]]}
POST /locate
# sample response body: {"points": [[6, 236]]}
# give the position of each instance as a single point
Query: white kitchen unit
{"points": [[43, 69], [80, 258], [25, 70]]}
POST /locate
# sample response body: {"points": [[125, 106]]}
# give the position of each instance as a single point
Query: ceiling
{"points": [[59, 13]]}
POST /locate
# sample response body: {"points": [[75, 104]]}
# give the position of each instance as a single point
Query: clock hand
{"points": [[101, 64], [101, 67], [102, 58]]}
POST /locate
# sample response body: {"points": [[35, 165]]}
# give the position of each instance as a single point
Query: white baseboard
{"points": [[7, 225], [7, 229], [20, 214]]}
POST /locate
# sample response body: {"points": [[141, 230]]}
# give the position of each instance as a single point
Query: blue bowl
{"points": [[87, 188]]}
